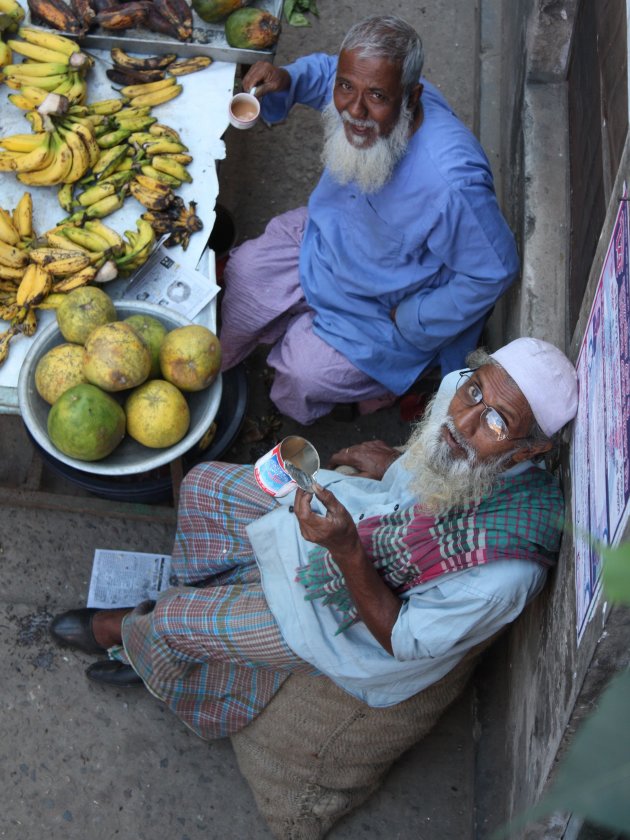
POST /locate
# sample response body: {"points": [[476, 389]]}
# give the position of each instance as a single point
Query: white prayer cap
{"points": [[545, 376]]}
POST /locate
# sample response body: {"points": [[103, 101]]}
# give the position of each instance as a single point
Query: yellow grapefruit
{"points": [[157, 414]]}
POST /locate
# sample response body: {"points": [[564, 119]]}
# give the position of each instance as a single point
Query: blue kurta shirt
{"points": [[432, 243]]}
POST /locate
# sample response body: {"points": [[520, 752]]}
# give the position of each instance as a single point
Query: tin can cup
{"points": [[296, 454], [244, 110]]}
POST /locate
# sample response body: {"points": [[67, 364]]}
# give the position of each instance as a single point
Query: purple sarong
{"points": [[263, 303], [213, 652]]}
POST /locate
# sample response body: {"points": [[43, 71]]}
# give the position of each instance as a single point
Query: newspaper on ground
{"points": [[125, 578], [166, 282]]}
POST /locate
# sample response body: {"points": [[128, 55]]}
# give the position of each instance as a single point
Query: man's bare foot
{"points": [[107, 626]]}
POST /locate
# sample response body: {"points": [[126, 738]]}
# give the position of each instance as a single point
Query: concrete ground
{"points": [[81, 761]]}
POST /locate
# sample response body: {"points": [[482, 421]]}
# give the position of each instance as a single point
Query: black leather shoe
{"points": [[109, 672], [74, 629]]}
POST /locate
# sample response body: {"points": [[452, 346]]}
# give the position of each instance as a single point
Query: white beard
{"points": [[440, 480], [370, 168]]}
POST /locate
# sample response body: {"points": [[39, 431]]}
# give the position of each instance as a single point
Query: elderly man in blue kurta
{"points": [[402, 251]]}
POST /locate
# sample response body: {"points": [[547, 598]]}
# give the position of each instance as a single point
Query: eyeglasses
{"points": [[492, 423]]}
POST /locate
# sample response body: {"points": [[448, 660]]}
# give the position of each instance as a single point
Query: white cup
{"points": [[244, 110]]}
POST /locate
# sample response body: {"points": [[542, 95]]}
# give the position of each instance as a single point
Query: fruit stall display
{"points": [[225, 30], [94, 173]]}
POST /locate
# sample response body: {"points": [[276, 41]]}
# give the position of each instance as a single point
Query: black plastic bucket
{"points": [[156, 485]]}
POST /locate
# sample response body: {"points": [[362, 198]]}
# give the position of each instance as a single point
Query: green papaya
{"points": [[252, 29], [213, 10]]}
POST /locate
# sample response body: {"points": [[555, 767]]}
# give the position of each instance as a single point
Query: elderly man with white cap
{"points": [[382, 581]]}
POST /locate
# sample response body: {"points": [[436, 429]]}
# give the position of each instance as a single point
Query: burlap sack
{"points": [[316, 753]]}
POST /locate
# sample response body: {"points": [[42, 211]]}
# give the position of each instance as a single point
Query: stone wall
{"points": [[529, 683]]}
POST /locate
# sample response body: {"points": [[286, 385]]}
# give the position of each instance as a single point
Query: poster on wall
{"points": [[601, 432]]}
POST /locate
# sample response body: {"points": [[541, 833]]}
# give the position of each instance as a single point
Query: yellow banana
{"points": [[106, 106], [87, 239], [38, 159], [152, 172], [21, 142], [8, 231], [48, 40], [37, 52], [36, 120], [64, 87], [34, 93], [170, 167], [58, 170], [6, 56], [138, 123], [75, 280], [113, 138], [131, 91], [153, 184], [180, 158], [58, 262], [149, 198], [96, 193], [77, 90], [5, 338], [20, 101], [12, 274], [7, 161], [105, 206], [51, 301], [35, 69], [113, 239], [65, 197], [158, 97], [163, 146], [23, 216], [47, 83], [140, 137], [160, 130], [142, 242], [13, 257], [87, 136], [34, 286], [80, 156], [109, 160]]}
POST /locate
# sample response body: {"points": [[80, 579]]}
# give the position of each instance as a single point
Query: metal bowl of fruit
{"points": [[129, 457]]}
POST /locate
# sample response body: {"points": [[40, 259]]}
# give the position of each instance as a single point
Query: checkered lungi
{"points": [[211, 648]]}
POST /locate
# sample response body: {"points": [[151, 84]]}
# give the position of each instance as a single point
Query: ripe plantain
{"points": [[131, 91], [189, 65]]}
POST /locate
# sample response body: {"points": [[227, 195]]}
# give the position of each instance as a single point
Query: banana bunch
{"points": [[53, 64], [177, 220], [76, 256], [11, 16], [137, 248], [47, 158], [16, 232]]}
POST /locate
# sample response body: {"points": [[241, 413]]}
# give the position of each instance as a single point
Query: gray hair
{"points": [[390, 37], [535, 435]]}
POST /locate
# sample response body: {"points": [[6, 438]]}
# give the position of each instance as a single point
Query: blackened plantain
{"points": [[179, 18], [123, 76], [84, 13], [124, 16], [55, 13], [157, 23], [132, 62]]}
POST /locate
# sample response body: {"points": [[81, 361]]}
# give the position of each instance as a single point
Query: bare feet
{"points": [[107, 626]]}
